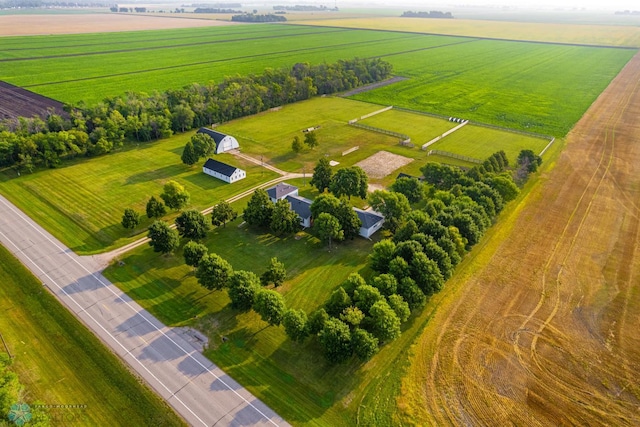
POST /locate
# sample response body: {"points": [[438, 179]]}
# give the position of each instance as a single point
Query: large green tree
{"points": [[259, 210], [192, 225], [203, 144], [163, 238], [328, 228], [270, 305], [175, 196], [189, 156], [155, 208], [393, 206], [243, 287], [311, 139], [322, 174], [193, 252], [335, 340], [222, 213], [349, 182], [276, 273], [214, 272], [412, 188], [130, 219], [295, 324], [283, 219], [386, 324], [364, 344]]}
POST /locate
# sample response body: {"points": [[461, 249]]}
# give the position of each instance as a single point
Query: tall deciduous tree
{"points": [[349, 182], [155, 208], [295, 324], [393, 206], [410, 187], [270, 305], [243, 287], [311, 139], [364, 344], [381, 255], [335, 339], [192, 225], [163, 238], [214, 272], [283, 219], [328, 228], [222, 213], [386, 324], [297, 145], [174, 195], [130, 219], [203, 144], [259, 209], [276, 273], [193, 252], [322, 174], [189, 156]]}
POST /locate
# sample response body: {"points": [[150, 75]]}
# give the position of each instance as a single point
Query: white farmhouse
{"points": [[223, 171], [371, 222], [223, 142]]}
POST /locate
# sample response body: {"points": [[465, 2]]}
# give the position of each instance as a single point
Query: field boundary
{"points": [[449, 132], [454, 156], [402, 136], [547, 147]]}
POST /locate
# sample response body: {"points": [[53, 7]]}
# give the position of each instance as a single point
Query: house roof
{"points": [[217, 136], [368, 218], [222, 168], [300, 205], [281, 190]]}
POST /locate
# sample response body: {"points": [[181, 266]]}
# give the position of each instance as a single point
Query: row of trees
{"points": [[101, 128]]}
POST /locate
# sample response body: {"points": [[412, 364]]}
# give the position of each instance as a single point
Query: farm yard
{"points": [[514, 333], [516, 85]]}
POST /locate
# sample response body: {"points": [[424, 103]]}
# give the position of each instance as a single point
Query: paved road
{"points": [[197, 389]]}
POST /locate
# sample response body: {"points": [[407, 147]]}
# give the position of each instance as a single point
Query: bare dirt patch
{"points": [[27, 25], [17, 102], [541, 326], [382, 164]]}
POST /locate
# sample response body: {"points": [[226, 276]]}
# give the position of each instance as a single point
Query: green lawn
{"points": [[60, 362], [82, 203], [293, 379], [419, 127], [481, 142]]}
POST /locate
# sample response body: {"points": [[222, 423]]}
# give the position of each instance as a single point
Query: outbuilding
{"points": [[223, 171], [371, 222], [223, 142], [301, 206]]}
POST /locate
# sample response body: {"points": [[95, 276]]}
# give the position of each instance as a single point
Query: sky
{"points": [[568, 4]]}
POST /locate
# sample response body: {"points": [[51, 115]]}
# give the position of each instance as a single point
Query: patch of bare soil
{"points": [[382, 164], [27, 25], [17, 102], [544, 331]]}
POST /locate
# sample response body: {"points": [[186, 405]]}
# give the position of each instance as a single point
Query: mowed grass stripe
{"points": [[60, 362]]}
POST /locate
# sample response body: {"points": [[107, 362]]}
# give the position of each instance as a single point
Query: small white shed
{"points": [[223, 171]]}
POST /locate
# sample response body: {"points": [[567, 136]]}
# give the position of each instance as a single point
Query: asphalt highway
{"points": [[195, 387]]}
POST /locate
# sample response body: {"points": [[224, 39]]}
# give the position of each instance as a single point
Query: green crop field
{"points": [[82, 203], [543, 88], [60, 362], [293, 379]]}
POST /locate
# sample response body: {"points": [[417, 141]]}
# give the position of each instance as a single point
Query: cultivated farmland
{"points": [[536, 87], [541, 329]]}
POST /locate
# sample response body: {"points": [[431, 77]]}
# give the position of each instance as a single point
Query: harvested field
{"points": [[541, 326], [28, 25], [17, 102], [382, 164]]}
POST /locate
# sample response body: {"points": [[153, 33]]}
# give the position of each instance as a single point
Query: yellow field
{"points": [[609, 35]]}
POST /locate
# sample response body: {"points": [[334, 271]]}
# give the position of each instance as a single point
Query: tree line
{"points": [[139, 117]]}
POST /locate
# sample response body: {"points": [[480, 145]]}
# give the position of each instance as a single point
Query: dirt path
{"points": [[545, 331]]}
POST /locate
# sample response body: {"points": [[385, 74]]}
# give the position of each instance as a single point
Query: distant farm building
{"points": [[302, 207], [371, 222], [223, 171], [281, 191], [223, 142]]}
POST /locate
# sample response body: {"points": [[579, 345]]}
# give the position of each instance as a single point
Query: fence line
{"points": [[350, 150], [6, 347], [548, 145], [454, 155], [449, 132], [366, 116], [383, 131]]}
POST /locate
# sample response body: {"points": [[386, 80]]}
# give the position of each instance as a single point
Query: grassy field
{"points": [[601, 35], [61, 363], [293, 379], [537, 87], [82, 203]]}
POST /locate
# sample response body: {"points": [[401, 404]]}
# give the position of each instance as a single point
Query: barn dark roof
{"points": [[217, 136], [223, 168], [300, 205], [368, 218], [281, 190]]}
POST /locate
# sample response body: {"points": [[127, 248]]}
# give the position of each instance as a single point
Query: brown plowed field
{"points": [[546, 331]]}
